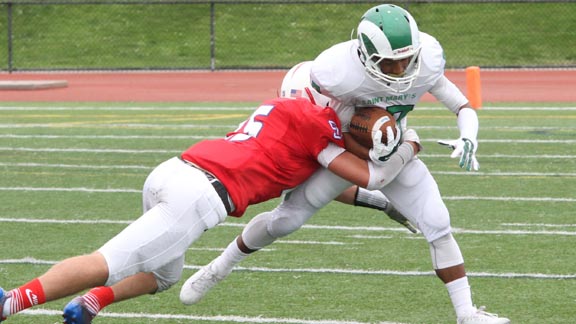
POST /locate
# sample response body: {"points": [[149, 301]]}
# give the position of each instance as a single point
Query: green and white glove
{"points": [[465, 149], [381, 152]]}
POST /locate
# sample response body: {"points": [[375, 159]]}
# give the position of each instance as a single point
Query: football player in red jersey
{"points": [[282, 144]]}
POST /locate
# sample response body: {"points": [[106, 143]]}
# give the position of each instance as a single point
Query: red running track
{"points": [[256, 86]]}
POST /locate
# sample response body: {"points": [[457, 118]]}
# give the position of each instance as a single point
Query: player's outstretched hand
{"points": [[465, 149]]}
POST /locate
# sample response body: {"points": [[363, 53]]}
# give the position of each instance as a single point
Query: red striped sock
{"points": [[98, 298], [26, 296]]}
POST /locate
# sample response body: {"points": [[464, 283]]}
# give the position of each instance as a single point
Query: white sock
{"points": [[231, 256], [461, 296]]}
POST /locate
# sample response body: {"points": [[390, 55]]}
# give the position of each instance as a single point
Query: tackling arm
{"points": [[369, 175]]}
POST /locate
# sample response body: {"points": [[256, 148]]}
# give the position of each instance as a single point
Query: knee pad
{"points": [[445, 252], [256, 235], [290, 215]]}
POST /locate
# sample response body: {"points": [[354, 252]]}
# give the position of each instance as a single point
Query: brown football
{"points": [[364, 120]]}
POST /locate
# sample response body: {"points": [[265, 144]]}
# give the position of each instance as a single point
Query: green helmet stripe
{"points": [[399, 34], [393, 22], [370, 48]]}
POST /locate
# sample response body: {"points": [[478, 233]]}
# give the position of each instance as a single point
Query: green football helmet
{"points": [[389, 32]]}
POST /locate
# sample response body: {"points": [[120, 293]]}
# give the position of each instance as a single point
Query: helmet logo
{"points": [[403, 50]]}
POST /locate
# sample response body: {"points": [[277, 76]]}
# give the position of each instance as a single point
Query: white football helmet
{"points": [[389, 32], [296, 84]]}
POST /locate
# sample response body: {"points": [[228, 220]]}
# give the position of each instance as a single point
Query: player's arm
{"points": [[467, 120], [365, 173]]}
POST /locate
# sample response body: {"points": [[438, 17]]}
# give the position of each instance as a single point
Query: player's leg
{"points": [[83, 309], [148, 255], [296, 208], [63, 279], [415, 194]]}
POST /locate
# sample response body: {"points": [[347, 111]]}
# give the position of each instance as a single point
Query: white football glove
{"points": [[381, 152], [465, 149]]}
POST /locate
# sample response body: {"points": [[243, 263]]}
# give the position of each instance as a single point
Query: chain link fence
{"points": [[187, 35]]}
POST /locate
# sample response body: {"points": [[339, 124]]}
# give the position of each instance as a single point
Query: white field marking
{"points": [[316, 242], [507, 128], [187, 137], [543, 199], [306, 226], [76, 166], [215, 318], [143, 167], [71, 190], [403, 230], [505, 156], [130, 137], [30, 260], [62, 221], [222, 249], [516, 141], [251, 107], [214, 126], [505, 174], [127, 108], [404, 273], [69, 125], [156, 151], [378, 237], [537, 225], [81, 150]]}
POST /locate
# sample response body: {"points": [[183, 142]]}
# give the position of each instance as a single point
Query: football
{"points": [[364, 121]]}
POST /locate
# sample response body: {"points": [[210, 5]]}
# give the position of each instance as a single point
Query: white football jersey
{"points": [[339, 73]]}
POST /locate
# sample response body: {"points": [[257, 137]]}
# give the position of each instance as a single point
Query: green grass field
{"points": [[71, 176]]}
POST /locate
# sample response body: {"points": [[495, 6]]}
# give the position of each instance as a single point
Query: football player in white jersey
{"points": [[391, 65]]}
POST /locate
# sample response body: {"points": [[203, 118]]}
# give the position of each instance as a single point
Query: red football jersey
{"points": [[274, 150]]}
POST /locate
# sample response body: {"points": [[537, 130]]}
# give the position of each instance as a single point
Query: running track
{"points": [[546, 85]]}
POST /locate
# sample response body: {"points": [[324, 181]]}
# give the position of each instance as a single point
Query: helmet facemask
{"points": [[388, 32]]}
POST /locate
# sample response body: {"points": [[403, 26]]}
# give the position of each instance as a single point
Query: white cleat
{"points": [[482, 317], [198, 285]]}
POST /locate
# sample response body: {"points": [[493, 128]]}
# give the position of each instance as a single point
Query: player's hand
{"points": [[465, 149], [381, 152], [396, 216]]}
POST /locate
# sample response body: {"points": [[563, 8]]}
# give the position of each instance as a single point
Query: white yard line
{"points": [[506, 275], [197, 318]]}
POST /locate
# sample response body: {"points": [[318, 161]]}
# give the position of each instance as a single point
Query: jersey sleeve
{"points": [[448, 94], [433, 61], [320, 127]]}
